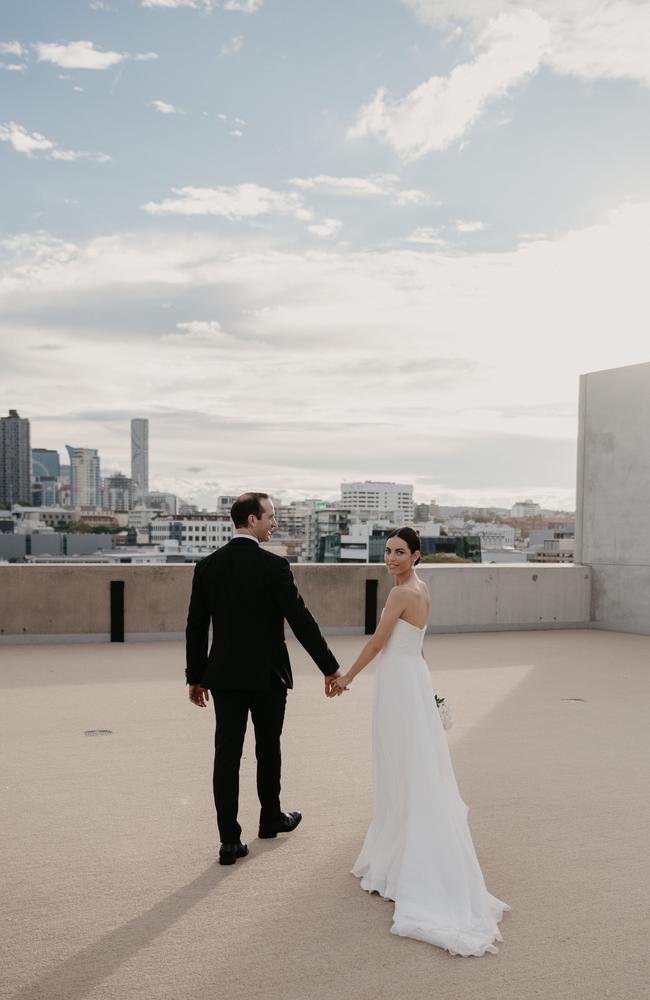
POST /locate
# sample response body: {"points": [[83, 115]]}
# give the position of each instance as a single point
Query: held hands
{"points": [[336, 684]]}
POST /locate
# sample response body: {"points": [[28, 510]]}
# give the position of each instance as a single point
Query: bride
{"points": [[418, 849]]}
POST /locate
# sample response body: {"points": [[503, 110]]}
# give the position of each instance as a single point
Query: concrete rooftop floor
{"points": [[111, 889]]}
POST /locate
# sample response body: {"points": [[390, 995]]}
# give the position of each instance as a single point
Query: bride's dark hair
{"points": [[410, 536]]}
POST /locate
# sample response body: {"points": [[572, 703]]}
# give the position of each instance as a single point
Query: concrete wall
{"points": [[612, 509], [41, 602]]}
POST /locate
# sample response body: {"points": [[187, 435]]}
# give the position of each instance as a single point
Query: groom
{"points": [[247, 592]]}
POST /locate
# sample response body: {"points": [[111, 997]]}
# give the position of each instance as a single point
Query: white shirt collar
{"points": [[251, 537]]}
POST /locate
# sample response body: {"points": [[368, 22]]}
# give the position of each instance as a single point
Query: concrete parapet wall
{"points": [[612, 534], [39, 602]]}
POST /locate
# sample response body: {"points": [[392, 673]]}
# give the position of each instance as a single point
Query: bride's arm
{"points": [[394, 607]]}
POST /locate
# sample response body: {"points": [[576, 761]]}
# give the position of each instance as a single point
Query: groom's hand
{"points": [[198, 695], [331, 690]]}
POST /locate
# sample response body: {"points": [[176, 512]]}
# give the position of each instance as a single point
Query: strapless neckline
{"points": [[418, 628]]}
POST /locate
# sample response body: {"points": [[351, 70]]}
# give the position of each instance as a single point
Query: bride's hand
{"points": [[340, 684]]}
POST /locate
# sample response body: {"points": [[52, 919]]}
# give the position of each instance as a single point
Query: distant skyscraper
{"points": [[85, 477], [140, 455], [46, 468], [45, 463], [117, 493], [15, 460]]}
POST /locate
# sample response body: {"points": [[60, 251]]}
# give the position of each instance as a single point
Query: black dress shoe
{"points": [[286, 823], [228, 853]]}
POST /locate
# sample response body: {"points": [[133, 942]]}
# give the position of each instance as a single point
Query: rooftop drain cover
{"points": [[98, 732]]}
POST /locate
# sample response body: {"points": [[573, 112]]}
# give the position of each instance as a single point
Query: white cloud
{"points": [[12, 49], [426, 235], [412, 197], [439, 112], [14, 67], [164, 108], [380, 184], [73, 155], [469, 227], [326, 228], [31, 143], [176, 3], [232, 46], [237, 132], [241, 201], [586, 39], [84, 55], [396, 315], [377, 185], [24, 141], [199, 333], [245, 6]]}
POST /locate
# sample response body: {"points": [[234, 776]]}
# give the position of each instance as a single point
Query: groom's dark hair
{"points": [[245, 505]]}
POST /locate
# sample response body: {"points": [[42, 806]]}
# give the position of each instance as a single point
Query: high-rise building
{"points": [[45, 492], [140, 455], [45, 463], [118, 493], [373, 499], [46, 469], [85, 477], [15, 460]]}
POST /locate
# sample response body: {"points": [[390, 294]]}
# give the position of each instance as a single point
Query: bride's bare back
{"points": [[416, 609]]}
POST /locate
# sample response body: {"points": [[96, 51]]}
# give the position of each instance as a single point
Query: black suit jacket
{"points": [[247, 592]]}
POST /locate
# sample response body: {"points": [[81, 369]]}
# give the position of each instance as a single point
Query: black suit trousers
{"points": [[267, 712]]}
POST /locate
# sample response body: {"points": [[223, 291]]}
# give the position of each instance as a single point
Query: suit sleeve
{"points": [[301, 620], [197, 631]]}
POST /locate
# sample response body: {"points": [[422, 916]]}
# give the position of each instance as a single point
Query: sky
{"points": [[316, 242]]}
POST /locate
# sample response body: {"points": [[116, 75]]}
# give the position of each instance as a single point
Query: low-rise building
{"points": [[493, 536], [526, 508], [555, 550], [203, 532]]}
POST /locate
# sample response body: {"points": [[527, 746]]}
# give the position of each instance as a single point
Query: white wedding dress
{"points": [[418, 849]]}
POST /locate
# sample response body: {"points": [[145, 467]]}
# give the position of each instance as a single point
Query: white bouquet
{"points": [[444, 712]]}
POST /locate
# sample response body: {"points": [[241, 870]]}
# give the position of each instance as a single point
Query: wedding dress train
{"points": [[418, 850]]}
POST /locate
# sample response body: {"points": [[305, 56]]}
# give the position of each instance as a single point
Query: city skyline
{"points": [[392, 265], [37, 459]]}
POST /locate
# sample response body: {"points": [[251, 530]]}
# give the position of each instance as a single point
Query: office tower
{"points": [[15, 461], [373, 499], [118, 493], [85, 477], [45, 463], [140, 455], [46, 469]]}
